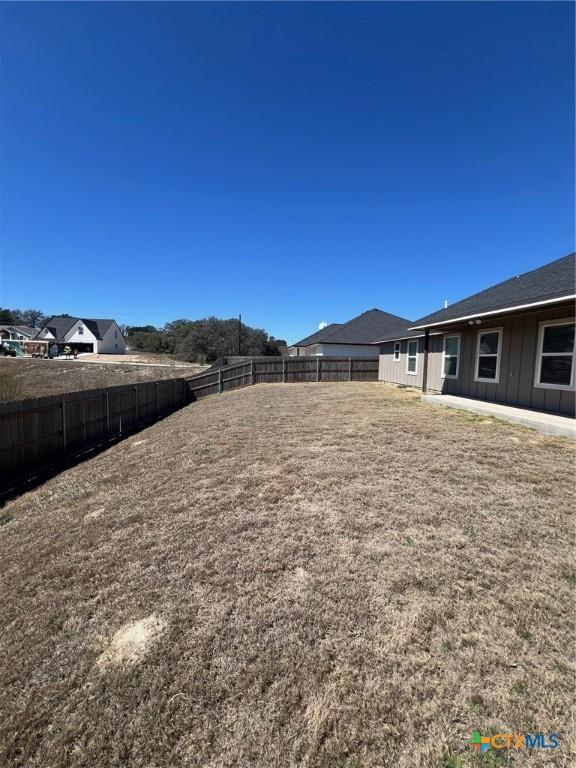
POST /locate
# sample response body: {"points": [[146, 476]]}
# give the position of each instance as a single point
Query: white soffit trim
{"points": [[403, 338], [496, 312]]}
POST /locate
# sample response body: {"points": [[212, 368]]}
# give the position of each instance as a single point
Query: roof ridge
{"points": [[509, 279]]}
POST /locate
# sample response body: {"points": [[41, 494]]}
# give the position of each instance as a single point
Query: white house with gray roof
{"points": [[84, 334], [352, 339]]}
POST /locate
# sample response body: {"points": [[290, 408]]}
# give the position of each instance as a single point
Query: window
{"points": [[488, 355], [412, 357], [80, 330], [451, 357], [555, 360], [115, 334], [396, 351]]}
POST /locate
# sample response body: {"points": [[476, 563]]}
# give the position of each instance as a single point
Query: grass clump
{"points": [[527, 636], [9, 387], [518, 688]]}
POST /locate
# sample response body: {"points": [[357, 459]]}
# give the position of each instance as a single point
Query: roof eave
{"points": [[503, 311]]}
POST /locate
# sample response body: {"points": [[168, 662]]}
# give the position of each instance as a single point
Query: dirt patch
{"points": [[131, 642], [21, 378]]}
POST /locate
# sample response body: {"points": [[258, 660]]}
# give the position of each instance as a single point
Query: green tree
{"points": [[6, 316]]}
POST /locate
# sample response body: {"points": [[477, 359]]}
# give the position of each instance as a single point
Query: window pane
{"points": [[487, 367], [451, 345], [489, 343], [450, 366], [558, 338], [412, 364], [556, 370], [412, 348]]}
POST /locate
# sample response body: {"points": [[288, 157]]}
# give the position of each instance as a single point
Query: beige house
{"points": [[512, 343]]}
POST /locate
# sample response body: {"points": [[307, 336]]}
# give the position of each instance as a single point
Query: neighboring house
{"points": [[512, 343], [17, 332], [298, 349], [84, 334], [352, 339]]}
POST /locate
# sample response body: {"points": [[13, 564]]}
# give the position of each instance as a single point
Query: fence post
{"points": [[107, 414], [317, 369], [219, 380], [64, 425], [283, 370], [252, 374], [349, 369]]}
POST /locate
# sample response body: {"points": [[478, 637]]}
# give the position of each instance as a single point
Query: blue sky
{"points": [[294, 162]]}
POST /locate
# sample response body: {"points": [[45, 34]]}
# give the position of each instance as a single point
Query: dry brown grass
{"points": [[36, 378], [342, 576]]}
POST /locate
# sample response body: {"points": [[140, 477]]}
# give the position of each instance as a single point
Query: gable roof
{"points": [[317, 337], [25, 330], [554, 281], [59, 326], [98, 327], [364, 329]]}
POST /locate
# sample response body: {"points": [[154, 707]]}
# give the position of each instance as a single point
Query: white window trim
{"points": [[498, 356], [415, 371], [539, 354], [451, 336], [397, 345]]}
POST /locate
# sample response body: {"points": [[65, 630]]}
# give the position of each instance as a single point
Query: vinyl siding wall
{"points": [[517, 364], [394, 371], [346, 350]]}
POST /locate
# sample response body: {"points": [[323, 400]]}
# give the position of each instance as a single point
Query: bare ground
{"points": [[35, 378], [327, 575]]}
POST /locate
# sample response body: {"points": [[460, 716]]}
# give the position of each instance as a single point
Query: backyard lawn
{"points": [[315, 575]]}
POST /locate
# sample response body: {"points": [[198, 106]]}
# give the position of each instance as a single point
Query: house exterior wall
{"points": [[394, 371], [341, 350], [518, 363], [113, 342], [75, 337]]}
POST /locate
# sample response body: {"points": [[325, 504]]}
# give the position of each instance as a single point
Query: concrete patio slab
{"points": [[547, 423]]}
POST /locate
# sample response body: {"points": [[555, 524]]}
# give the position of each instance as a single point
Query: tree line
{"points": [[205, 340], [201, 341], [34, 318]]}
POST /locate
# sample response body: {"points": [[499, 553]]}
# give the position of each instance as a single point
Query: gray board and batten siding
{"points": [[518, 361]]}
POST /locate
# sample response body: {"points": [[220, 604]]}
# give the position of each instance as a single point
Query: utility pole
{"points": [[239, 334]]}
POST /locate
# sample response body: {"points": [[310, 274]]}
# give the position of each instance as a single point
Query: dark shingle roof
{"points": [[59, 326], [98, 327], [364, 329], [27, 329], [552, 281], [400, 333], [317, 337]]}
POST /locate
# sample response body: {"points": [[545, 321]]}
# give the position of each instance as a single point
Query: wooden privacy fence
{"points": [[44, 431], [38, 432], [283, 370]]}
